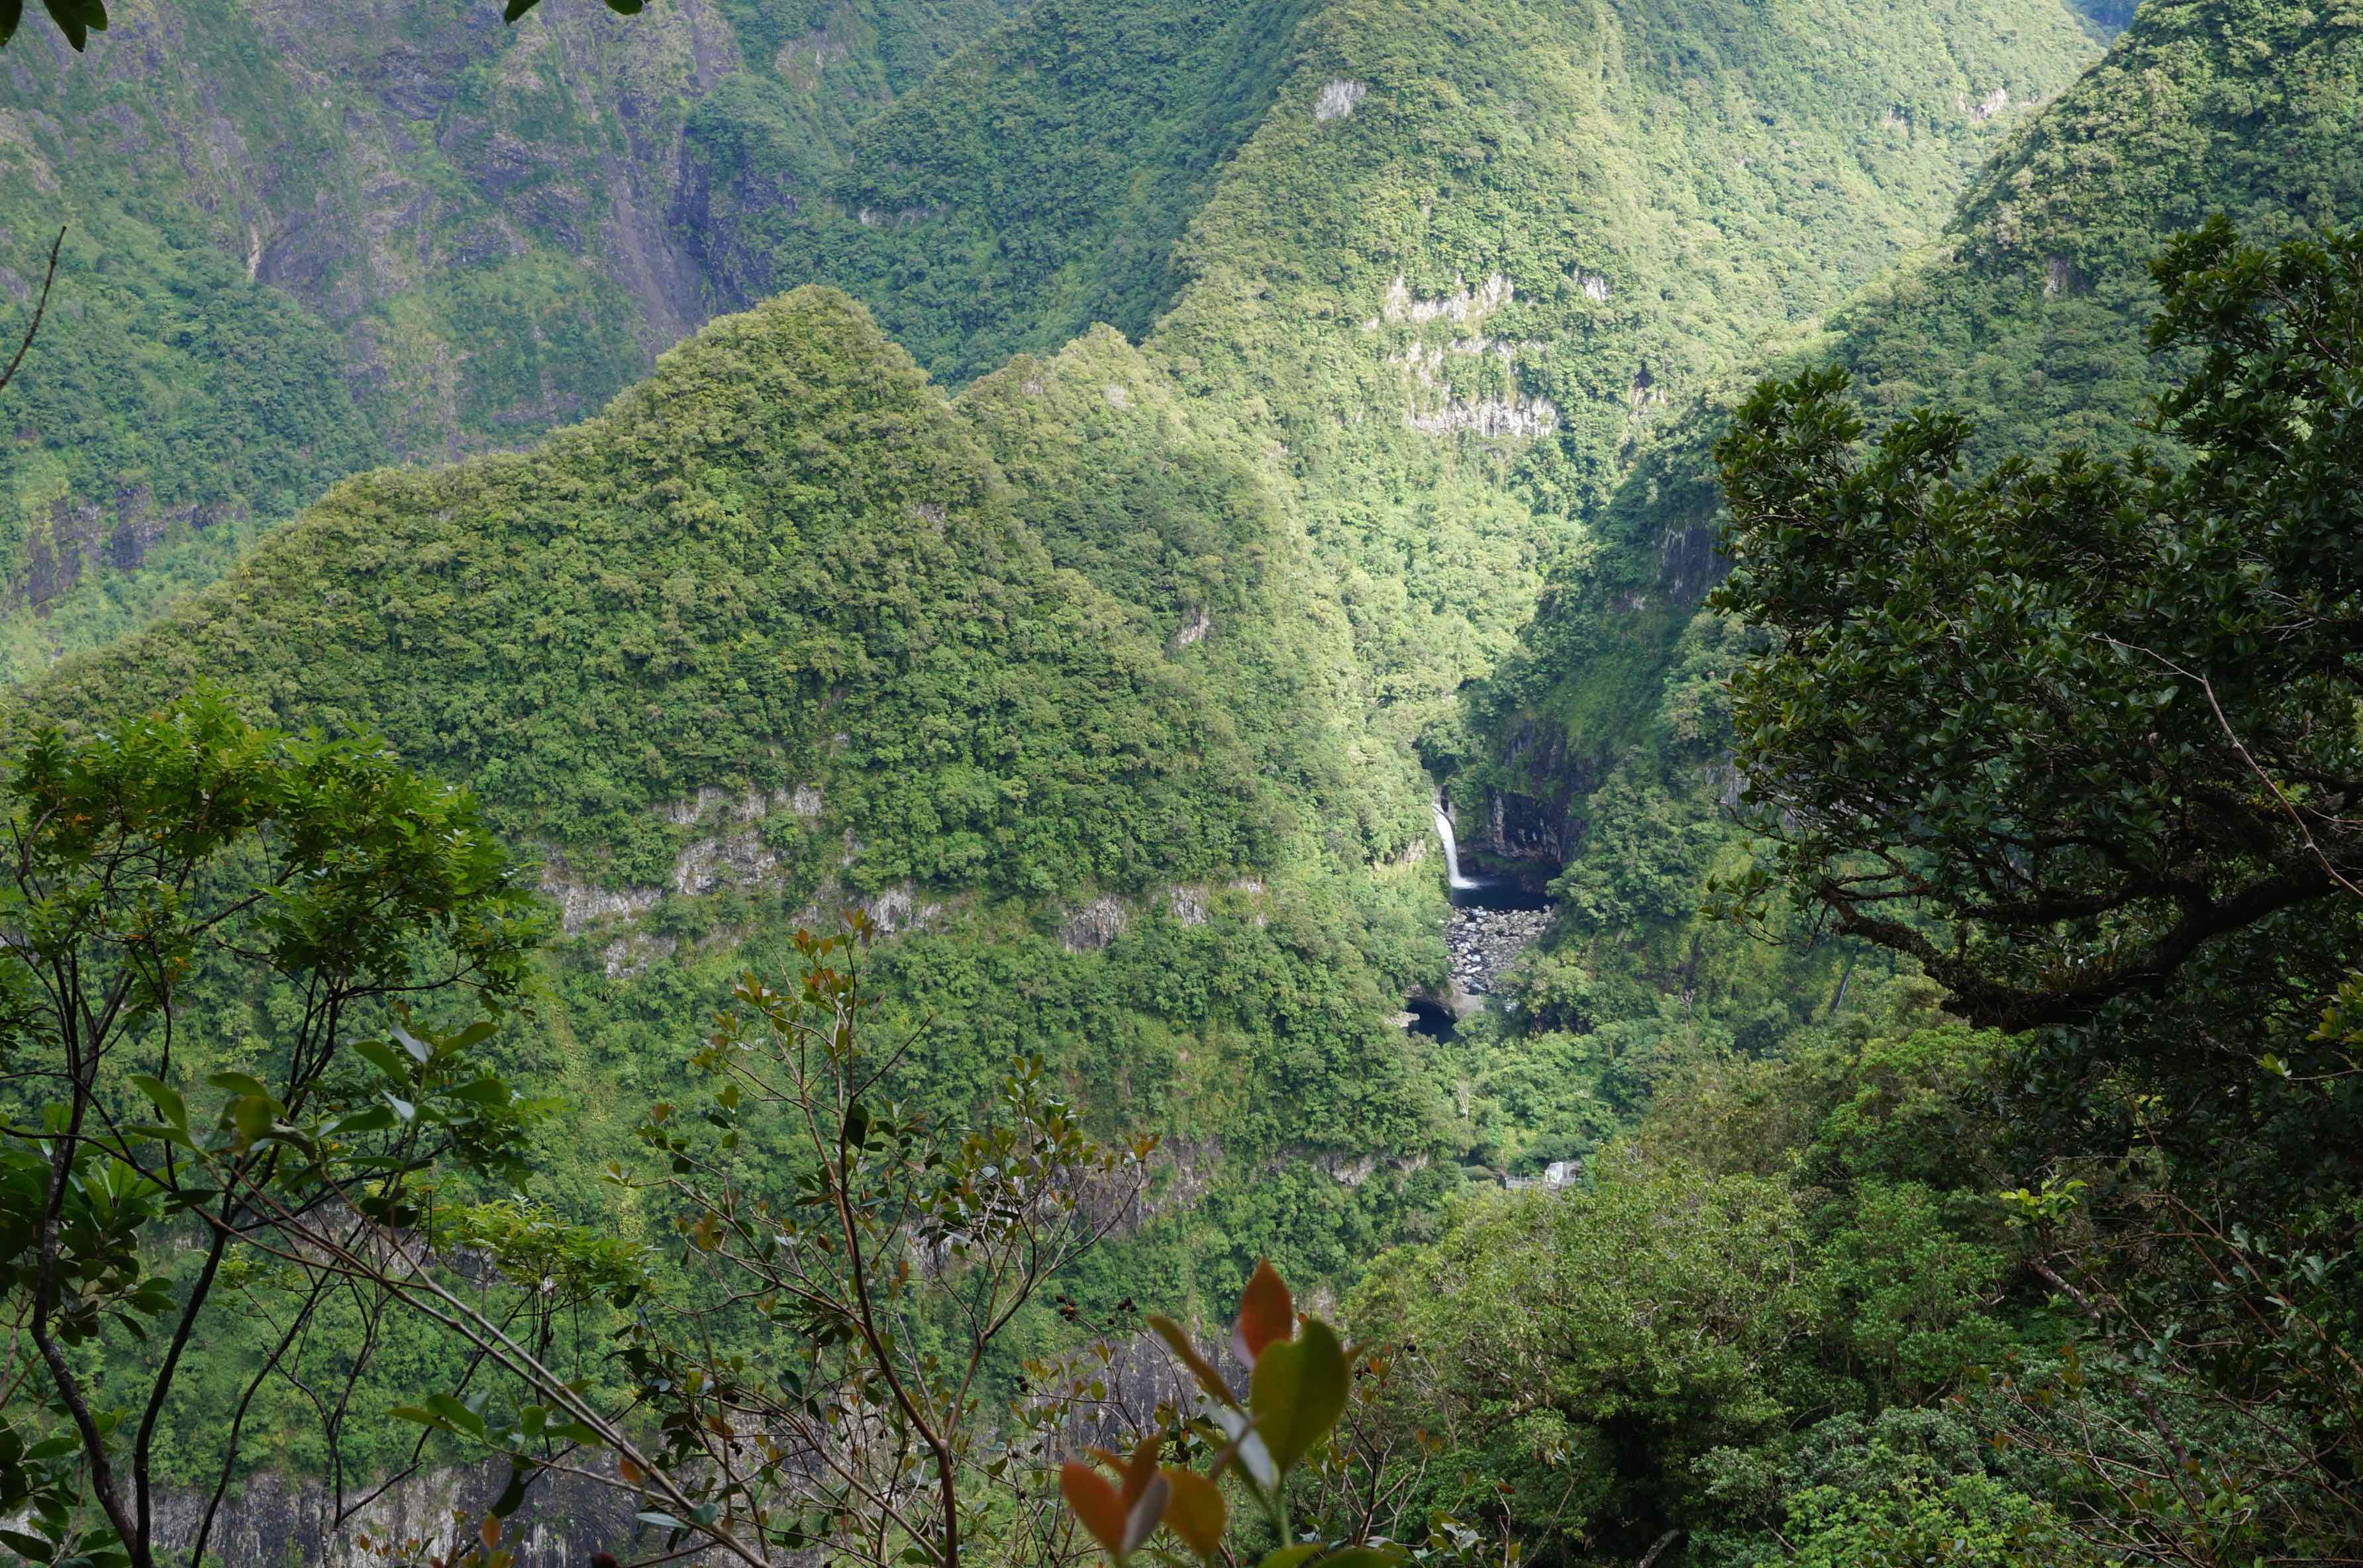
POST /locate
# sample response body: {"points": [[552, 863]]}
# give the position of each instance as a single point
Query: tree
{"points": [[882, 1256], [2058, 730], [848, 1270], [2081, 739], [827, 1366], [1588, 1344], [189, 850]]}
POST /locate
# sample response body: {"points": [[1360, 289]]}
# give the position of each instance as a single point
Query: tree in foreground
{"points": [[146, 870], [218, 947], [827, 1368], [2080, 737]]}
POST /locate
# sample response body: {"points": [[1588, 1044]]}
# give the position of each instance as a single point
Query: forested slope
{"points": [[787, 628], [1123, 667], [1605, 746], [1110, 684], [1455, 277], [302, 242]]}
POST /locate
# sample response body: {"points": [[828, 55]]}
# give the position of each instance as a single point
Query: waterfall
{"points": [[1451, 848]]}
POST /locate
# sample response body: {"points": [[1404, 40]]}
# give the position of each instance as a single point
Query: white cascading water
{"points": [[1451, 849]]}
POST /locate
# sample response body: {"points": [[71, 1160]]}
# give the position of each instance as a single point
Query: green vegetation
{"points": [[183, 882], [2173, 935], [2248, 109], [778, 632], [301, 246], [1038, 185], [1105, 676], [1111, 673], [789, 546]]}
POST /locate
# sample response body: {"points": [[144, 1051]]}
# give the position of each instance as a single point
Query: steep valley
{"points": [[1087, 485]]}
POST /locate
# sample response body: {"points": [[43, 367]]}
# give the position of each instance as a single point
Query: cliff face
{"points": [[305, 239], [269, 1520]]}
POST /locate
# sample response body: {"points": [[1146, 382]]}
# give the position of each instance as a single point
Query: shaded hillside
{"points": [[301, 244], [1600, 749], [1038, 185]]}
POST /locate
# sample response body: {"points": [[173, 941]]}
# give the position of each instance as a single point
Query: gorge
{"points": [[1094, 486]]}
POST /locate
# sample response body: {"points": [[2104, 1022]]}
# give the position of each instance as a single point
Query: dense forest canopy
{"points": [[1336, 782]]}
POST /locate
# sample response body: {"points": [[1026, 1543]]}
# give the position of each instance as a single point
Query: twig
{"points": [[39, 307]]}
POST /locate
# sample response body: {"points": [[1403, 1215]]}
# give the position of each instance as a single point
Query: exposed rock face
{"points": [[1488, 416], [1688, 563], [1463, 304], [1093, 926], [1484, 943], [1337, 99], [1544, 825], [268, 1522], [75, 533]]}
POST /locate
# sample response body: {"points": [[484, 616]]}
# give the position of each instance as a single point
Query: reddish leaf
{"points": [[1142, 1470], [1095, 1503], [1265, 1314], [1196, 1512]]}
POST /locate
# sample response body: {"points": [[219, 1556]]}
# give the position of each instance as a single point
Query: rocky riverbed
{"points": [[1483, 942]]}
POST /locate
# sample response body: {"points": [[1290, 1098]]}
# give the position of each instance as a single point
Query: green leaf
{"points": [[384, 1058], [31, 1548], [1291, 1556], [252, 1115], [240, 1084], [164, 1097], [370, 1118], [455, 1415], [1298, 1391], [76, 19], [512, 1495], [1365, 1557]]}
